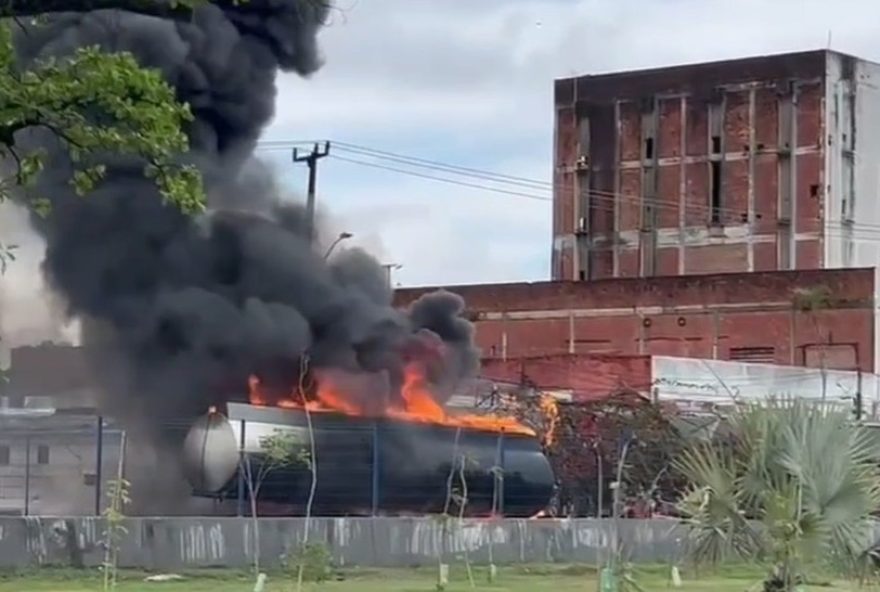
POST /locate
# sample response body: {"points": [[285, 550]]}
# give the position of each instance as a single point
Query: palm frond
{"points": [[803, 470]]}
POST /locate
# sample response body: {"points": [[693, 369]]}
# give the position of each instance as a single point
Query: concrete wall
{"points": [[176, 543], [852, 169]]}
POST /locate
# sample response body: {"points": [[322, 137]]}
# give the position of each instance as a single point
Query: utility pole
{"points": [[311, 159]]}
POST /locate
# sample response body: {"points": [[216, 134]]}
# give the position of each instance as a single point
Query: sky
{"points": [[470, 83]]}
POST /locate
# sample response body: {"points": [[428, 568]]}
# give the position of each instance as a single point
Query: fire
{"points": [[550, 409], [416, 404]]}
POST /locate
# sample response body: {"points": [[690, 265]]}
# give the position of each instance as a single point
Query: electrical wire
{"points": [[600, 200], [435, 178]]}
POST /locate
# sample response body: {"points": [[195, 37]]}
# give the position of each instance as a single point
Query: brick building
{"points": [[801, 318], [746, 165], [697, 209]]}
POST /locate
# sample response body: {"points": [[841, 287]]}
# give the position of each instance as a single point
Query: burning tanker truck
{"points": [[404, 459], [180, 311]]}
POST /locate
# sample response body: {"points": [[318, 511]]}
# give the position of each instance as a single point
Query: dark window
{"points": [[715, 198], [649, 148], [43, 454], [4, 455], [716, 144]]}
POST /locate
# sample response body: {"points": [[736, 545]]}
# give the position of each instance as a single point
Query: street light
{"points": [[342, 236]]}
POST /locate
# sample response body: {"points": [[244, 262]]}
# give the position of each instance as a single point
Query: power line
{"points": [[423, 163], [489, 175], [606, 201], [443, 179], [607, 204]]}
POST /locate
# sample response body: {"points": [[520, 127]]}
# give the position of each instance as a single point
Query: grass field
{"points": [[511, 579]]}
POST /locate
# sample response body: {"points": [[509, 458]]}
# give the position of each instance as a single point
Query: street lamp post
{"points": [[342, 236]]}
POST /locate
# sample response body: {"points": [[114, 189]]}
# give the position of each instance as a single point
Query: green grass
{"points": [[535, 578]]}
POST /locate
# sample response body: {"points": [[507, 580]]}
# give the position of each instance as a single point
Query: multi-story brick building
{"points": [[746, 165], [763, 171]]}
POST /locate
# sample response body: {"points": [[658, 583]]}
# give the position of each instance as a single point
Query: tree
{"points": [[93, 103], [792, 483], [280, 449]]}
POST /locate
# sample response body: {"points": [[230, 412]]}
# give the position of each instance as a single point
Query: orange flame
{"points": [[550, 409], [417, 405]]}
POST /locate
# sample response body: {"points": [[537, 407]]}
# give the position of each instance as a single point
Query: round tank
{"points": [[365, 465], [210, 453]]}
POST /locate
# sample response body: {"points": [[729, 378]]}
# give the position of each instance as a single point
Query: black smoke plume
{"points": [[189, 308]]}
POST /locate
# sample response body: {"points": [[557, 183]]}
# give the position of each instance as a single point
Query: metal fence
{"points": [[60, 462]]}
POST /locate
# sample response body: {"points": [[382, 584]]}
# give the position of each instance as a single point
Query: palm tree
{"points": [[788, 482]]}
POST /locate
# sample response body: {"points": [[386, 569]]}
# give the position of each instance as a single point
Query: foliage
{"points": [[7, 255], [280, 449], [314, 561], [619, 577], [93, 104], [803, 472], [812, 299], [586, 445], [114, 517]]}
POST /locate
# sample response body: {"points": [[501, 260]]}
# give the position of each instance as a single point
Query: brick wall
{"points": [[639, 156], [589, 377], [724, 316]]}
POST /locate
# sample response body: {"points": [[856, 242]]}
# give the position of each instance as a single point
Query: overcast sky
{"points": [[470, 83]]}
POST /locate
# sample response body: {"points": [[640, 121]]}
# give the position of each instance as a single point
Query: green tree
{"points": [[279, 450], [790, 483], [93, 103]]}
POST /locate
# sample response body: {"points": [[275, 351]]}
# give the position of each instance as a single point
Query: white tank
{"points": [[210, 452]]}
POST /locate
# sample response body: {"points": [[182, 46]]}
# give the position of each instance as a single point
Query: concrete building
{"points": [[49, 434], [767, 163], [815, 318], [49, 461]]}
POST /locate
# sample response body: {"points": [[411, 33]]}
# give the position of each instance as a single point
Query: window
{"points": [[43, 454], [649, 148], [715, 174], [4, 455]]}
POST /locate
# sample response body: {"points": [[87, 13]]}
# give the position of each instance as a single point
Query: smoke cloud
{"points": [[189, 308], [29, 313]]}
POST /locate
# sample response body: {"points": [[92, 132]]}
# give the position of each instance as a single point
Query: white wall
{"points": [[861, 248], [687, 380], [59, 486], [853, 126]]}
